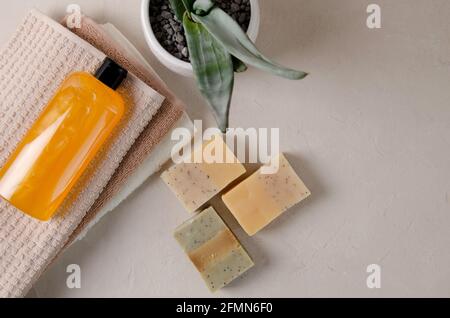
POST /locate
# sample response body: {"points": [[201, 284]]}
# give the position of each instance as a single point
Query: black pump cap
{"points": [[111, 74]]}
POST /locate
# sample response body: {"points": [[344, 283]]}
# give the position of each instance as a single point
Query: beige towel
{"points": [[165, 119], [32, 65]]}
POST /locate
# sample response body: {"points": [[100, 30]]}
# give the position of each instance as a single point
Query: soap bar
{"points": [[261, 198], [196, 183], [213, 249]]}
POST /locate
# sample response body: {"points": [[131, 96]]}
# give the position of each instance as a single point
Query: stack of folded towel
{"points": [[32, 66]]}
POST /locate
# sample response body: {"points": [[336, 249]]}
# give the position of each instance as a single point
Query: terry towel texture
{"points": [[33, 64]]}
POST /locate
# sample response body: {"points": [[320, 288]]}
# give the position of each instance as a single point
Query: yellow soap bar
{"points": [[194, 184], [261, 198], [213, 249]]}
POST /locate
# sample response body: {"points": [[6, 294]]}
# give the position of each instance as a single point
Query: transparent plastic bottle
{"points": [[58, 148]]}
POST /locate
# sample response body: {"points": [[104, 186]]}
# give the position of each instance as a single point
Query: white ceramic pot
{"points": [[170, 61]]}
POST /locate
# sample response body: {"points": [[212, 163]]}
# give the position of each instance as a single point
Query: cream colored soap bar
{"points": [[213, 249], [261, 198], [194, 184]]}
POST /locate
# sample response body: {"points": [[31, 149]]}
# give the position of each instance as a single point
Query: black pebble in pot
{"points": [[170, 33]]}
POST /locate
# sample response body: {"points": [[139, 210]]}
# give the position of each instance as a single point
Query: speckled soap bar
{"points": [[196, 183], [261, 198], [213, 249]]}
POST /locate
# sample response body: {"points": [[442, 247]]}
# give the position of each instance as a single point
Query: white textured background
{"points": [[368, 131]]}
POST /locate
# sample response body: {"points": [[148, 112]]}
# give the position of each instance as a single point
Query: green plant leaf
{"points": [[202, 7], [179, 8], [238, 65], [230, 35], [213, 69], [188, 4]]}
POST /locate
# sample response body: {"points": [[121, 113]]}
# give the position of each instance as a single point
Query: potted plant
{"points": [[154, 10], [218, 47]]}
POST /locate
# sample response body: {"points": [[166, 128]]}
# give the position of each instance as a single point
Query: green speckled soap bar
{"points": [[213, 249]]}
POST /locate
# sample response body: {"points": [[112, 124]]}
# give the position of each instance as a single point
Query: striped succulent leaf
{"points": [[213, 68]]}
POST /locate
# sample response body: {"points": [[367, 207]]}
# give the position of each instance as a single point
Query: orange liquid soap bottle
{"points": [[63, 141]]}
